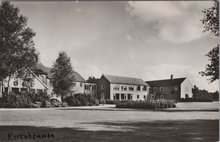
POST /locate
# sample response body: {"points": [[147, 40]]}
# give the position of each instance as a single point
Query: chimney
{"points": [[171, 76]]}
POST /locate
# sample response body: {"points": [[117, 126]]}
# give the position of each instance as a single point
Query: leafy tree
{"points": [[212, 69], [62, 75], [17, 51], [211, 19], [211, 23]]}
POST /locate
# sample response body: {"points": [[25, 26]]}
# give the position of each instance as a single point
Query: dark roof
{"points": [[41, 69], [78, 77], [124, 80], [166, 82]]}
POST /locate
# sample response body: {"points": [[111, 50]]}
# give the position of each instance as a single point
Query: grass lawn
{"points": [[110, 124]]}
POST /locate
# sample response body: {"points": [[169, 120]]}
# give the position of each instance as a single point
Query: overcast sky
{"points": [[148, 40]]}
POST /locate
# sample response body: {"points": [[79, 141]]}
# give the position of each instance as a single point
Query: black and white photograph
{"points": [[109, 71]]}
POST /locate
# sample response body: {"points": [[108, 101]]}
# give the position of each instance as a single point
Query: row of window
{"points": [[16, 90], [162, 88], [90, 87], [123, 96], [125, 88]]}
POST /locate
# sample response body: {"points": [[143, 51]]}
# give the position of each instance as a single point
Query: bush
{"points": [[81, 100], [23, 100], [152, 104], [64, 104], [196, 100], [12, 100], [108, 101], [55, 103], [46, 104], [102, 101]]}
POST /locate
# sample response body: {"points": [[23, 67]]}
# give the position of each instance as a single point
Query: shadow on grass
{"points": [[135, 109], [158, 131]]}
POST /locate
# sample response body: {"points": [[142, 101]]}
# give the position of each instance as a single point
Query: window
{"points": [[15, 83], [155, 89], [24, 90], [129, 96], [123, 87], [176, 88], [144, 88], [102, 87], [137, 96], [102, 96], [94, 87], [161, 88], [138, 88], [122, 96], [80, 84], [144, 97], [131, 88], [117, 97], [153, 97], [114, 97], [74, 83], [161, 96], [116, 87], [15, 90]]}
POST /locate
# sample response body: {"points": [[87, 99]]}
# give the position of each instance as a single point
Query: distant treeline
{"points": [[204, 94]]}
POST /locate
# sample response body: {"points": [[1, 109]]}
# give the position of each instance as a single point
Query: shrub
{"points": [[23, 99], [55, 103], [108, 101], [152, 104], [81, 100], [196, 100], [102, 101], [46, 104], [12, 100], [39, 97], [64, 104]]}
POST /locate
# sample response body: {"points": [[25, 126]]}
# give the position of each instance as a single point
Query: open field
{"points": [[199, 122]]}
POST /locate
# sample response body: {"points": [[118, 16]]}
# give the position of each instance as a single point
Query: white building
{"points": [[90, 89]]}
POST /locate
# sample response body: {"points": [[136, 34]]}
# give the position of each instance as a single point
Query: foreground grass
{"points": [[157, 131]]}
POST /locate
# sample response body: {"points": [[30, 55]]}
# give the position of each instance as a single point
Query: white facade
{"points": [[16, 84], [128, 92], [90, 88], [186, 89], [78, 87]]}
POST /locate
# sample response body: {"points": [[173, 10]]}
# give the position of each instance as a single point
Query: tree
{"points": [[211, 23], [62, 75], [17, 51], [211, 19], [212, 69]]}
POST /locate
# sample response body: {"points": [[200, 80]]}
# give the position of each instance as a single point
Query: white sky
{"points": [[148, 39]]}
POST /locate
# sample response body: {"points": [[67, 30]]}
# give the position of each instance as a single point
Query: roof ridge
{"points": [[123, 76], [167, 79]]}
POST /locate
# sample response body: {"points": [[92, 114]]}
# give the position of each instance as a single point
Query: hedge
{"points": [[151, 104], [81, 100]]}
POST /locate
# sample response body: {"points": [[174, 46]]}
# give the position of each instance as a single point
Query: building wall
{"points": [[186, 88], [116, 89], [78, 87], [37, 85], [91, 89], [106, 90], [167, 92]]}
